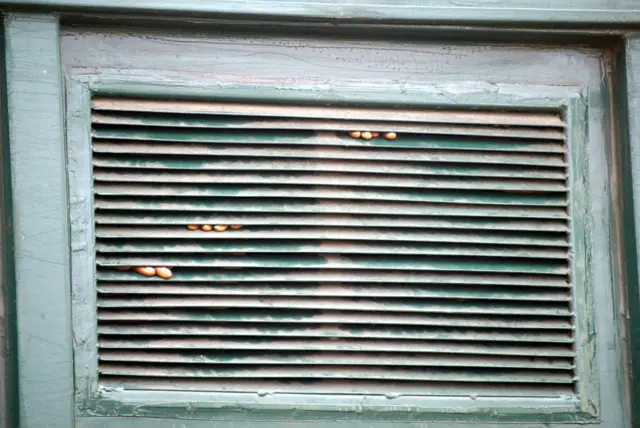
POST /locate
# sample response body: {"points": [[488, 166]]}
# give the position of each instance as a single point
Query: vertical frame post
{"points": [[40, 220]]}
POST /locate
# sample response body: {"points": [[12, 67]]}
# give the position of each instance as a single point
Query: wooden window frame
{"points": [[41, 224]]}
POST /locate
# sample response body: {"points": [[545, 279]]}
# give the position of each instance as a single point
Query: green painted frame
{"points": [[93, 401], [585, 13], [44, 393], [39, 226], [9, 371], [78, 78], [628, 129]]}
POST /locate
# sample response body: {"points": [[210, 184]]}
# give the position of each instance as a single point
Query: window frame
{"points": [[24, 160], [81, 87]]}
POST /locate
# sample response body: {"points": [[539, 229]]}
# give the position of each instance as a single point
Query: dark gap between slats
{"points": [[153, 218], [342, 128], [193, 162], [328, 358], [408, 374], [249, 229]]}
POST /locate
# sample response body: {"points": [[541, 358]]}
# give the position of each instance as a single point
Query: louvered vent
{"points": [[437, 262]]}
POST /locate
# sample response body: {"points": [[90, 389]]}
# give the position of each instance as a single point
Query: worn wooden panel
{"points": [[629, 157], [40, 224], [601, 12], [330, 64]]}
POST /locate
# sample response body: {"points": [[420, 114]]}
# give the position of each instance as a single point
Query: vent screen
{"points": [[434, 260]]}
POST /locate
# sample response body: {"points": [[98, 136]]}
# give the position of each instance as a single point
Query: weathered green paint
{"points": [[338, 262], [121, 347], [541, 131], [107, 110], [303, 139], [9, 372], [417, 374], [326, 192], [83, 295], [319, 317], [107, 81], [399, 410], [319, 246], [341, 332], [573, 12], [611, 396], [40, 227], [349, 290], [629, 131], [147, 421], [330, 220], [347, 304], [553, 157], [372, 234], [325, 166], [321, 359], [258, 275], [319, 206]]}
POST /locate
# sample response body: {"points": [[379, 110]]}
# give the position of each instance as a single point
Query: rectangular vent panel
{"points": [[433, 263]]}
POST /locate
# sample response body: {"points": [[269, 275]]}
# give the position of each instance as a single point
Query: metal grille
{"points": [[434, 263]]}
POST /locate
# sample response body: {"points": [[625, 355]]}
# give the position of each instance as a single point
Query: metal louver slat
{"points": [[252, 126], [328, 358], [279, 152], [116, 176], [432, 261], [438, 222], [382, 305], [204, 275], [521, 118], [303, 192], [331, 372], [335, 317], [214, 163], [344, 345], [315, 206], [332, 331], [338, 290], [337, 262], [368, 234], [321, 246]]}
